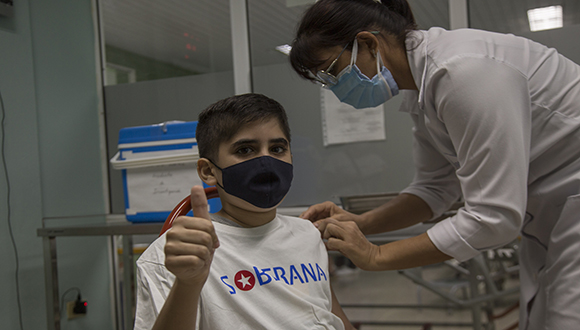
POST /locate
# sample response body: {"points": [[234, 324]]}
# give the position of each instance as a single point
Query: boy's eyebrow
{"points": [[244, 141], [254, 141], [279, 140]]}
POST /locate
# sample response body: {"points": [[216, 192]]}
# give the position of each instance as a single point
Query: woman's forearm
{"points": [[408, 253], [403, 211]]}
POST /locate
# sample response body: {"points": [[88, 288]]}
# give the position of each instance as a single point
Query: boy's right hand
{"points": [[191, 242]]}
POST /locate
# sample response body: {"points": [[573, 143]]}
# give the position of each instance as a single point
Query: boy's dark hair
{"points": [[222, 120], [331, 23]]}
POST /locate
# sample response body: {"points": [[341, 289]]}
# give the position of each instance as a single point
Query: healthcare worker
{"points": [[496, 122]]}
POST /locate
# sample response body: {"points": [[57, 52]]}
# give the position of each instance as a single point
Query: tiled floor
{"points": [[392, 288]]}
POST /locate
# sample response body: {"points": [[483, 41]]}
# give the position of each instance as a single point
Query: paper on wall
{"points": [[342, 123]]}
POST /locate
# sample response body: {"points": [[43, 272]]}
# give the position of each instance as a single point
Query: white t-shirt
{"points": [[270, 277]]}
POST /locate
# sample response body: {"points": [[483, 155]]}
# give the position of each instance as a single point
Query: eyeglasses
{"points": [[324, 77]]}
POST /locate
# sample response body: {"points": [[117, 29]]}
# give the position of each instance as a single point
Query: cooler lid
{"points": [[169, 130]]}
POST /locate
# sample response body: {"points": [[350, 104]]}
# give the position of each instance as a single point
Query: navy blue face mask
{"points": [[261, 181]]}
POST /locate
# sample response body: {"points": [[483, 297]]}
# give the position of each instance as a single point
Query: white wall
{"points": [[49, 86]]}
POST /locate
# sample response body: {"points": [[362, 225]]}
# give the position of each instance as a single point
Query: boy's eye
{"points": [[244, 150], [278, 149]]}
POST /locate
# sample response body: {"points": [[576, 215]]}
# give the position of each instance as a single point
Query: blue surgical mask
{"points": [[261, 181], [358, 90]]}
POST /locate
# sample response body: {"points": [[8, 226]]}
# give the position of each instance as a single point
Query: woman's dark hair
{"points": [[330, 23], [222, 120]]}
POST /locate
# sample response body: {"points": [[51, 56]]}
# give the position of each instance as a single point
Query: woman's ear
{"points": [[368, 40], [205, 170]]}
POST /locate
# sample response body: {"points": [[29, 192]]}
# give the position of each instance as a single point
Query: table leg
{"points": [[51, 283], [474, 290], [116, 283], [128, 282]]}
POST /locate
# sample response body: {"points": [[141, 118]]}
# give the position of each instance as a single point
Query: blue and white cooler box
{"points": [[158, 164]]}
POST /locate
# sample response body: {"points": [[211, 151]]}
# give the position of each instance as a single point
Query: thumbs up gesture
{"points": [[191, 242]]}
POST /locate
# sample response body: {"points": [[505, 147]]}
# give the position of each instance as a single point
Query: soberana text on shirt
{"points": [[245, 280]]}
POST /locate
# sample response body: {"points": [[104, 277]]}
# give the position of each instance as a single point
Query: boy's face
{"points": [[264, 138], [255, 140]]}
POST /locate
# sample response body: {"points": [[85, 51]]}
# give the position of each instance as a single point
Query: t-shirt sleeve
{"points": [[154, 282]]}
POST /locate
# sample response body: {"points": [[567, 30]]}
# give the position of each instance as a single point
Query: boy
{"points": [[244, 267]]}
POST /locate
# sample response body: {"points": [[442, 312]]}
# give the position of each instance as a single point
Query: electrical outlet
{"points": [[70, 309]]}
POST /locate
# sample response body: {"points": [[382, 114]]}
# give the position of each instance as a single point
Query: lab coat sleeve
{"points": [[485, 107], [435, 181]]}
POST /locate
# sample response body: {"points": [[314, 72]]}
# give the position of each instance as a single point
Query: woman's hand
{"points": [[346, 238], [345, 232], [320, 213], [341, 231], [191, 242]]}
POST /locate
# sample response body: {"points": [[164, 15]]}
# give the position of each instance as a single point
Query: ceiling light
{"points": [[284, 49], [545, 18]]}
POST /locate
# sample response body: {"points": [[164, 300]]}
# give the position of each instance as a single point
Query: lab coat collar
{"points": [[417, 56]]}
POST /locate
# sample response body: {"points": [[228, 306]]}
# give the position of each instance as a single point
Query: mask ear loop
{"points": [[354, 52], [216, 181], [379, 72], [348, 68]]}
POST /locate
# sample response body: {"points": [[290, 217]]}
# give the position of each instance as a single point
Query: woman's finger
{"points": [[318, 211], [333, 228], [335, 244]]}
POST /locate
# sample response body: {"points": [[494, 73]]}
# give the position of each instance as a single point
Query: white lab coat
{"points": [[497, 121]]}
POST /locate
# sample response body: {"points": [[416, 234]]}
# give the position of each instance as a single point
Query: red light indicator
{"points": [[186, 56], [186, 34]]}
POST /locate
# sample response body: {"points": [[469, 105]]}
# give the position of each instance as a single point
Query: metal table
{"points": [[117, 225], [126, 230], [122, 228]]}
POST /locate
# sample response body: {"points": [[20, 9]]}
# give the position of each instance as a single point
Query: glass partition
{"points": [[430, 13], [150, 40], [559, 32], [328, 172], [164, 61], [168, 60]]}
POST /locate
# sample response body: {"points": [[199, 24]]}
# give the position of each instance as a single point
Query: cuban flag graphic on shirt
{"points": [[244, 280]]}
